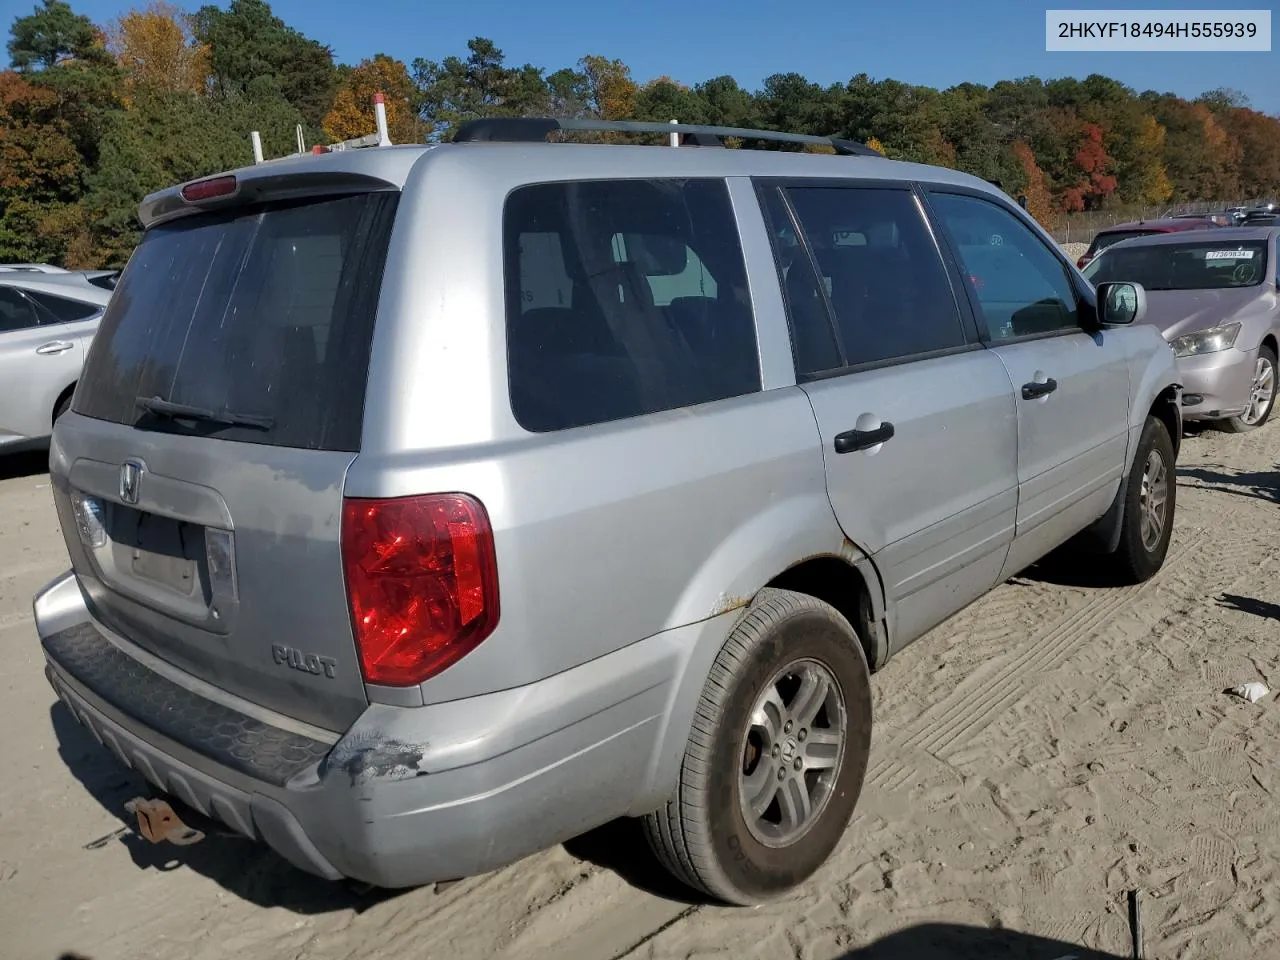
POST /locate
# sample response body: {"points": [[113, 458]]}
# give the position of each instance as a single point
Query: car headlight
{"points": [[1212, 340]]}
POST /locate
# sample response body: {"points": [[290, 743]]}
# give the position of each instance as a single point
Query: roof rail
{"points": [[535, 129]]}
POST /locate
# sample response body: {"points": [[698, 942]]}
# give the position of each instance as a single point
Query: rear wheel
{"points": [[1150, 498], [777, 755], [1262, 395]]}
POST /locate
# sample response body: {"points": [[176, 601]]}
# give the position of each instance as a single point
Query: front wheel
{"points": [[1150, 498], [776, 757], [1262, 395]]}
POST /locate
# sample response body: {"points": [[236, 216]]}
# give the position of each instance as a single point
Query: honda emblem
{"points": [[130, 478]]}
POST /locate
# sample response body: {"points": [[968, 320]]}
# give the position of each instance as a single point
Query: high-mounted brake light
{"points": [[209, 189], [422, 583]]}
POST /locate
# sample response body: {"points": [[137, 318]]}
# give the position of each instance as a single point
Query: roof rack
{"points": [[379, 138], [535, 129]]}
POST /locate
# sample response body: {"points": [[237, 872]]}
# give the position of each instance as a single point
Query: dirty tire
{"points": [[701, 835], [1239, 425], [1133, 561]]}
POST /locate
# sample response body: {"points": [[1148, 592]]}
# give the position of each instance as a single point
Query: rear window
{"points": [[265, 313], [1104, 240], [624, 297], [1183, 266]]}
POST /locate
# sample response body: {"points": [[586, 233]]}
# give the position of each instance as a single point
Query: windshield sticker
{"points": [[1229, 254]]}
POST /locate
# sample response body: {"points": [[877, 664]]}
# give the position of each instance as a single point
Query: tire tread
{"points": [[681, 842]]}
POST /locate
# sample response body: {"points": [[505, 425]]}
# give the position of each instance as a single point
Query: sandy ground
{"points": [[1036, 758]]}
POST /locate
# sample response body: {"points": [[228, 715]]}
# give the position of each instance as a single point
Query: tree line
{"points": [[93, 117]]}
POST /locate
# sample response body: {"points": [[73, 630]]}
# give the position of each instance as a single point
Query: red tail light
{"points": [[209, 189], [422, 582], [1082, 263]]}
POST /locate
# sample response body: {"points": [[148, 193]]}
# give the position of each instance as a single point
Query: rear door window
{"points": [[881, 278], [266, 312], [624, 298], [16, 311]]}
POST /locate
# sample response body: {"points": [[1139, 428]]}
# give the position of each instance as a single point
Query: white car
{"points": [[47, 320]]}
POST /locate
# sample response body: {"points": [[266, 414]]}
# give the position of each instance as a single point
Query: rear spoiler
{"points": [[283, 178]]}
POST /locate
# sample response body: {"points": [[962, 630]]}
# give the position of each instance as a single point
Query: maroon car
{"points": [[1142, 228]]}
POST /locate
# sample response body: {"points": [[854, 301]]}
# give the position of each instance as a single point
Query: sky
{"points": [[937, 43]]}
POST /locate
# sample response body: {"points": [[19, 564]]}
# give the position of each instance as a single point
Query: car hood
{"points": [[1179, 312]]}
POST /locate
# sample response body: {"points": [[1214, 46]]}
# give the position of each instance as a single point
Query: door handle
{"points": [[852, 440], [1035, 390], [54, 347]]}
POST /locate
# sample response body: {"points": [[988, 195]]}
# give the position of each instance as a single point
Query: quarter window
{"points": [[624, 298], [880, 278], [63, 310], [1021, 288]]}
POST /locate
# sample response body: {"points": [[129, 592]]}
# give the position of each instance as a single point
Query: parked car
{"points": [[1214, 297], [1261, 220], [1218, 219], [429, 506], [46, 322], [1140, 228], [31, 268]]}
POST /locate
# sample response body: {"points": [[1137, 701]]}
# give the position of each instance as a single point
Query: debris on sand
{"points": [[1253, 691]]}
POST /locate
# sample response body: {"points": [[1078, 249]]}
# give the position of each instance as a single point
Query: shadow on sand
{"points": [[30, 463], [1259, 484], [947, 941]]}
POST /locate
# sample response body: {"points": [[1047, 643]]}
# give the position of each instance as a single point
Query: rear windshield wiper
{"points": [[187, 411]]}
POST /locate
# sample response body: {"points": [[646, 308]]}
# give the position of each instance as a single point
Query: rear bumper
{"points": [[1218, 383], [407, 795]]}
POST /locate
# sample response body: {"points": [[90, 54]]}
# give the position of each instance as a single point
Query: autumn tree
{"points": [[611, 93], [1150, 180], [1034, 186], [1257, 137], [352, 113], [1095, 182], [40, 169], [158, 51]]}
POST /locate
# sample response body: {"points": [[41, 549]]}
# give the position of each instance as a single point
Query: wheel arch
{"points": [[839, 573], [63, 396]]}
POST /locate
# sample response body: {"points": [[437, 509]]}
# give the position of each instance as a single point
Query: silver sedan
{"points": [[47, 321], [1215, 294]]}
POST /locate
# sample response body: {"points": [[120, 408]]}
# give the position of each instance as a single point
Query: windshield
{"points": [[1182, 266], [266, 312], [1104, 240]]}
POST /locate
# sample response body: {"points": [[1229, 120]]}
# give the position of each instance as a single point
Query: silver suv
{"points": [[428, 506]]}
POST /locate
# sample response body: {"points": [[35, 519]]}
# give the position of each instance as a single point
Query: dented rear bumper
{"points": [[407, 795]]}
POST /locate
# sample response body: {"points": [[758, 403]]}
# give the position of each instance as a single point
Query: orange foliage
{"points": [[1039, 199], [157, 51], [352, 112]]}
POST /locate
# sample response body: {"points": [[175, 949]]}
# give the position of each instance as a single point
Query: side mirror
{"points": [[1121, 303]]}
